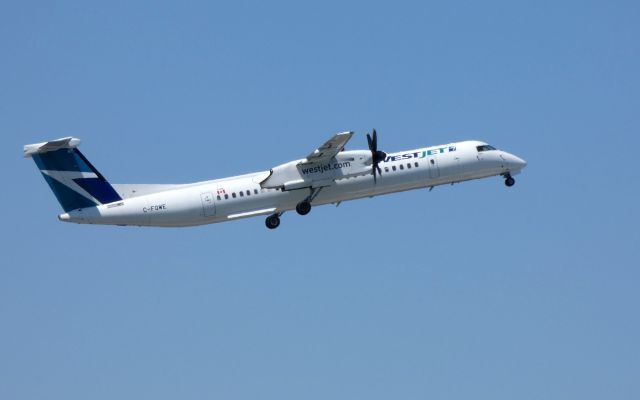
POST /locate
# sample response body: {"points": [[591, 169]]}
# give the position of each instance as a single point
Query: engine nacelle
{"points": [[301, 173]]}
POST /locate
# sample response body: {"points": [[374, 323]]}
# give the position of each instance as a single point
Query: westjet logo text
{"points": [[321, 169], [421, 154]]}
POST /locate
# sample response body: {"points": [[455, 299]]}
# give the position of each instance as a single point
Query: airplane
{"points": [[328, 175]]}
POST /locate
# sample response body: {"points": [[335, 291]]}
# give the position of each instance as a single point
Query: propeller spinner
{"points": [[376, 155]]}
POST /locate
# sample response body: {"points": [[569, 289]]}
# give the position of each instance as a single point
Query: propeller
{"points": [[376, 155]]}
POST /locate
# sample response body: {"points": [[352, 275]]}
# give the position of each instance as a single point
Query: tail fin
{"points": [[75, 182]]}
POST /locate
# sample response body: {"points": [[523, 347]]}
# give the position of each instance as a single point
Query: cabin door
{"points": [[208, 205]]}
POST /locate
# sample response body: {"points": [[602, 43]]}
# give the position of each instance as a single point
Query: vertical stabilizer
{"points": [[74, 181]]}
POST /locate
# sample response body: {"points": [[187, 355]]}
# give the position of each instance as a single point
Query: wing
{"points": [[331, 147]]}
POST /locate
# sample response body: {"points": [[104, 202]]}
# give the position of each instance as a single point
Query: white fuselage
{"points": [[247, 195]]}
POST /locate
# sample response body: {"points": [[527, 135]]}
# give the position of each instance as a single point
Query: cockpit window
{"points": [[485, 147]]}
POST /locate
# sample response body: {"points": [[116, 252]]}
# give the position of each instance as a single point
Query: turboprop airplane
{"points": [[327, 175]]}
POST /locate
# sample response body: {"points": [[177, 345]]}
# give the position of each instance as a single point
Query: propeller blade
{"points": [[375, 140], [376, 156]]}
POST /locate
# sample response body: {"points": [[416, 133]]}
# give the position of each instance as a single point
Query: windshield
{"points": [[485, 147]]}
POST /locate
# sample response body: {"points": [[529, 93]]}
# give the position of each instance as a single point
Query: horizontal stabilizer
{"points": [[52, 145]]}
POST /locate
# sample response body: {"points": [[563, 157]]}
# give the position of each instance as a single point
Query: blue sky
{"points": [[473, 290]]}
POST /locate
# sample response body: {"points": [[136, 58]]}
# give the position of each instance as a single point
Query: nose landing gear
{"points": [[509, 181]]}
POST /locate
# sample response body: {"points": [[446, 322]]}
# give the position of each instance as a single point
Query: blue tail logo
{"points": [[74, 181]]}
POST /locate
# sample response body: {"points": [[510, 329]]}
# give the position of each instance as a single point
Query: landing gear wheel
{"points": [[509, 181], [272, 221], [303, 207]]}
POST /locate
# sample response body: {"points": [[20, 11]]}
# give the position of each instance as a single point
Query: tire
{"points": [[509, 181], [272, 222], [303, 208]]}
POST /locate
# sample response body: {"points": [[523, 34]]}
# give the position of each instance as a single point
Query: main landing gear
{"points": [[273, 221], [509, 181], [304, 207]]}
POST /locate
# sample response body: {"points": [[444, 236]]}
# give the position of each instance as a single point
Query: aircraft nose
{"points": [[520, 162], [515, 162]]}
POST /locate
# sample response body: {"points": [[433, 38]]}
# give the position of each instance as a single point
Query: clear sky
{"points": [[470, 291]]}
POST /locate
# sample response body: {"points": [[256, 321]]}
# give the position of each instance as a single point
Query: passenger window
{"points": [[219, 198], [241, 193], [386, 169], [416, 164], [401, 166], [255, 191], [226, 197], [393, 167], [432, 162], [233, 195], [248, 192], [408, 165]]}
